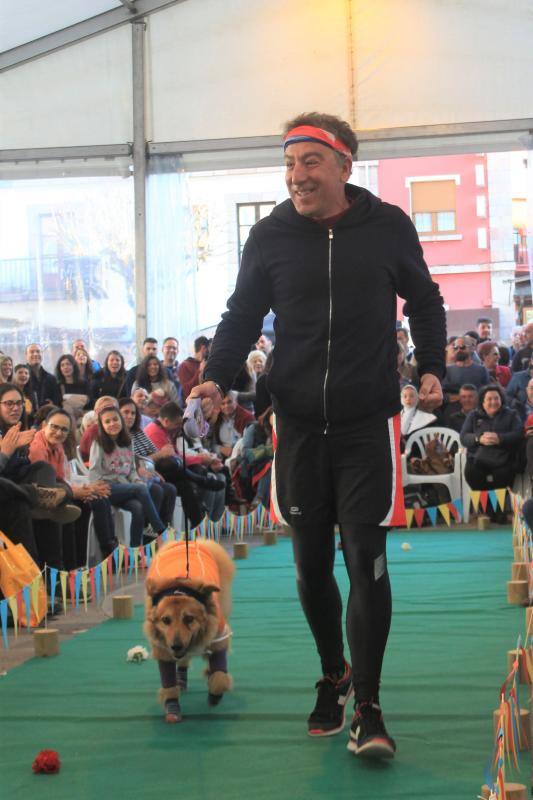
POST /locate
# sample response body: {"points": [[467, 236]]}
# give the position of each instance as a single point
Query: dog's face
{"points": [[181, 623]]}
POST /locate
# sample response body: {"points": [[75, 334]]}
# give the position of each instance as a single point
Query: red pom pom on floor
{"points": [[46, 761]]}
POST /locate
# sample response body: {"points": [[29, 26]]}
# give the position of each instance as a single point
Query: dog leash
{"points": [[184, 512]]}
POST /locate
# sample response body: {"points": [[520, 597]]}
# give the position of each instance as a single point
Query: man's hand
{"points": [[430, 392], [206, 390]]}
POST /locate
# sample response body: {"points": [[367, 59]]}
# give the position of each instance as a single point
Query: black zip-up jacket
{"points": [[506, 423], [333, 292]]}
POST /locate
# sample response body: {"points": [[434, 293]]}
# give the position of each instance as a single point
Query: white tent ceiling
{"points": [[23, 21], [218, 71]]}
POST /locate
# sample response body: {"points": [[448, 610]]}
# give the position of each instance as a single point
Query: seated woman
{"points": [[74, 390], [152, 376], [112, 460], [163, 493], [412, 418], [49, 501], [256, 460], [492, 434], [246, 379], [489, 354], [111, 380], [50, 444]]}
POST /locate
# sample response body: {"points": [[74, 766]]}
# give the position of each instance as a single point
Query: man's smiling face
{"points": [[315, 177]]}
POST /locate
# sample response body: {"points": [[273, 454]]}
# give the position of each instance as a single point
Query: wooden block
{"points": [[483, 522], [513, 791], [518, 553], [524, 743], [123, 606], [519, 571], [270, 537], [522, 666], [240, 550], [517, 593], [46, 642]]}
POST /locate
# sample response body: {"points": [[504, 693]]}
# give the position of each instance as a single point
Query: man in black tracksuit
{"points": [[329, 262]]}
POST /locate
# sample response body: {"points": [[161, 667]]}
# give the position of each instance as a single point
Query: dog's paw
{"points": [[172, 711], [218, 683]]}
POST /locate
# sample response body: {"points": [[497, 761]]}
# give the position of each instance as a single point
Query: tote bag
{"points": [[18, 569]]}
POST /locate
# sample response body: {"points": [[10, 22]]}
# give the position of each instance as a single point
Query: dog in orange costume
{"points": [[187, 614]]}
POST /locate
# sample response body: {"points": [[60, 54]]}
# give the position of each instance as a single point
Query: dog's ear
{"points": [[208, 589]]}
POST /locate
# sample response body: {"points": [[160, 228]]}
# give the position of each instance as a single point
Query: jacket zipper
{"points": [[330, 247]]}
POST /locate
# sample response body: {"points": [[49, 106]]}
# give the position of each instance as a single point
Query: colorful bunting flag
{"points": [[53, 584], [432, 514], [445, 511], [27, 605], [14, 613], [84, 579], [474, 496], [63, 583], [3, 622]]}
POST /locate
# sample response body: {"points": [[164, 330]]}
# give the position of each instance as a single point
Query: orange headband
{"points": [[308, 133]]}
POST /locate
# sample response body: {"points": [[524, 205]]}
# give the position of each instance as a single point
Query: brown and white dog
{"points": [[187, 614]]}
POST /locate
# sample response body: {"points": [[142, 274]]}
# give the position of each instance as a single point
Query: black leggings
{"points": [[369, 608]]}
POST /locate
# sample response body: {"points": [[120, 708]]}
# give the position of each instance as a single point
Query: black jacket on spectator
{"points": [[506, 423], [333, 292], [108, 385], [131, 377], [521, 359], [45, 387]]}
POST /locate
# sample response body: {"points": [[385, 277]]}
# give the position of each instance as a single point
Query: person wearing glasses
{"points": [[463, 370], [51, 444], [36, 481]]}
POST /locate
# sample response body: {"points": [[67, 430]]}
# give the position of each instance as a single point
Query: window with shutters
{"points": [[433, 207]]}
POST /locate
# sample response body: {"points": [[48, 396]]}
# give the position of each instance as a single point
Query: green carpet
{"points": [[445, 662]]}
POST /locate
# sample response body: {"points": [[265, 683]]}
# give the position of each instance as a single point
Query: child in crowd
{"points": [[112, 460]]}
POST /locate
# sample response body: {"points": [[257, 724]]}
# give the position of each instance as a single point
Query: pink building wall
{"points": [[461, 290]]}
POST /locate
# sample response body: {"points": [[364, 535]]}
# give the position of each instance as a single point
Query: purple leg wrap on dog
{"points": [[167, 670], [218, 662]]}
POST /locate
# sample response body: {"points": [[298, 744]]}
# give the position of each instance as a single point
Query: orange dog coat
{"points": [[170, 565]]}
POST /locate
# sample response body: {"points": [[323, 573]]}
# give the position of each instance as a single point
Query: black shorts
{"points": [[348, 478]]}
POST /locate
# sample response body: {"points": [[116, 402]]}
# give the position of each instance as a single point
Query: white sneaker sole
{"points": [[318, 734], [377, 748]]}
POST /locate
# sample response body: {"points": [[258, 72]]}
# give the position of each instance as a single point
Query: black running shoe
{"points": [[329, 714], [368, 735]]}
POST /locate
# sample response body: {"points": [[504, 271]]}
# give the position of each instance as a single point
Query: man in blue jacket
{"points": [[330, 262]]}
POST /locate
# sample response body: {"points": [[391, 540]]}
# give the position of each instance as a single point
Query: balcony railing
{"points": [[47, 278]]}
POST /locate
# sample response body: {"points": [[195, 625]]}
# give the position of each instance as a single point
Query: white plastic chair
{"points": [[83, 470], [454, 481]]}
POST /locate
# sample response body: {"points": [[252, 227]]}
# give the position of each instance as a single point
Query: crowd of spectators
{"points": [[80, 438], [125, 426], [488, 399]]}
